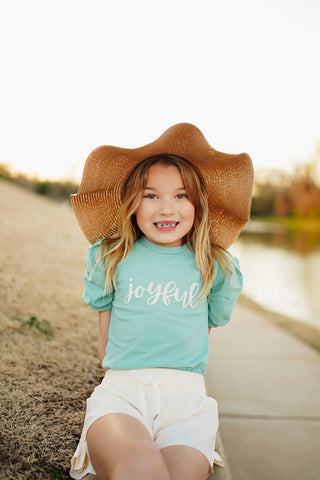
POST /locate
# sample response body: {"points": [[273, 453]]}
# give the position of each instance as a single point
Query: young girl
{"points": [[160, 218]]}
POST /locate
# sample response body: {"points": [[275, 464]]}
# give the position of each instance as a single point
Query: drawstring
{"points": [[144, 381], [156, 389]]}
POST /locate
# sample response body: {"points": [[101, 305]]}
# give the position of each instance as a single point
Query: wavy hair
{"points": [[117, 248]]}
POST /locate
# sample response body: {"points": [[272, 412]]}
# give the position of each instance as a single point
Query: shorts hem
{"points": [[210, 456], [118, 411]]}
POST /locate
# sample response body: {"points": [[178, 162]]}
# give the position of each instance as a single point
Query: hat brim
{"points": [[228, 179]]}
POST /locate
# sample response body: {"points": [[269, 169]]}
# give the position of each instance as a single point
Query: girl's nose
{"points": [[166, 207]]}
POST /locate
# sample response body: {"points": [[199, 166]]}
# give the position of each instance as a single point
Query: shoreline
{"points": [[303, 331]]}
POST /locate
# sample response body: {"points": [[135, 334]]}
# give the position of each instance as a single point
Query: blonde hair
{"points": [[114, 250]]}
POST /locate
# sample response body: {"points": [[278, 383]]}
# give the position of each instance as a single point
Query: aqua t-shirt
{"points": [[156, 318]]}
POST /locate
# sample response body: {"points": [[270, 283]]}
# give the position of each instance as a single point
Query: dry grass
{"points": [[45, 378]]}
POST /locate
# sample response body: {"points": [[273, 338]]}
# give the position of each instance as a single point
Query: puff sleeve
{"points": [[224, 294], [95, 295]]}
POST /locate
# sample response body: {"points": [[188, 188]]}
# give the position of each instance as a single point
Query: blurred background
{"points": [[77, 74]]}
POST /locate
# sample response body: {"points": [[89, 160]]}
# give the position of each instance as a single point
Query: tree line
{"points": [[288, 195], [56, 189]]}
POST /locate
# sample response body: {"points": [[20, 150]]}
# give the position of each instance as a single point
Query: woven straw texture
{"points": [[228, 180]]}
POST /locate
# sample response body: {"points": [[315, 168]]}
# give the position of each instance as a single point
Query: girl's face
{"points": [[165, 214]]}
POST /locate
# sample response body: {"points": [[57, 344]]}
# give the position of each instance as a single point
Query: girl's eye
{"points": [[150, 195], [182, 196]]}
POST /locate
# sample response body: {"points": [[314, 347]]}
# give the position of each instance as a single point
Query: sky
{"points": [[77, 74]]}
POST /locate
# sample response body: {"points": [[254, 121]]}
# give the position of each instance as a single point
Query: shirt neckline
{"points": [[161, 249]]}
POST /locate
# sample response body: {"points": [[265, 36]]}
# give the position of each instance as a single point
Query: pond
{"points": [[281, 270]]}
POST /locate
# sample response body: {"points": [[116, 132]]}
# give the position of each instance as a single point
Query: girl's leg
{"points": [[121, 448], [185, 463]]}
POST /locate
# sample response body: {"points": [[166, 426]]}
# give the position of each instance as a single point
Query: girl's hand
{"points": [[104, 322]]}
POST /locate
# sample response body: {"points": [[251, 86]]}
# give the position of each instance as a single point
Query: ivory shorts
{"points": [[171, 404]]}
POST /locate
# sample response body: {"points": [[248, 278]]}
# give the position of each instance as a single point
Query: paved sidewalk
{"points": [[267, 384]]}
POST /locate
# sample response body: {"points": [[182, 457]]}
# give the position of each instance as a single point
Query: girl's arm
{"points": [[104, 322]]}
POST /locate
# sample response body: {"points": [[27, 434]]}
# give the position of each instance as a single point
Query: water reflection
{"points": [[300, 241], [281, 271]]}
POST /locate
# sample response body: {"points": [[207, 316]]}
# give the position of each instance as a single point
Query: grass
{"points": [[42, 326], [48, 337]]}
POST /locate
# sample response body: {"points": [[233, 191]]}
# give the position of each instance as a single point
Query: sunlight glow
{"points": [[79, 74]]}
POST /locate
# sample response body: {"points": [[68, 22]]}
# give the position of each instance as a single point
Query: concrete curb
{"points": [[305, 332], [221, 473], [266, 383]]}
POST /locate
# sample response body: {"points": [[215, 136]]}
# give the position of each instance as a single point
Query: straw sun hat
{"points": [[228, 179]]}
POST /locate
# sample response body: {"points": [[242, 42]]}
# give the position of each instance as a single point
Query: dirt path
{"points": [[45, 378]]}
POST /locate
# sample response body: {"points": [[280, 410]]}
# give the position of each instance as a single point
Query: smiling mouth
{"points": [[166, 224]]}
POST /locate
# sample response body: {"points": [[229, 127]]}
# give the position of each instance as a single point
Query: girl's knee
{"points": [[142, 461]]}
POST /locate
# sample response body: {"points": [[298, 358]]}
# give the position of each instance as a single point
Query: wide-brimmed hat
{"points": [[228, 179]]}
